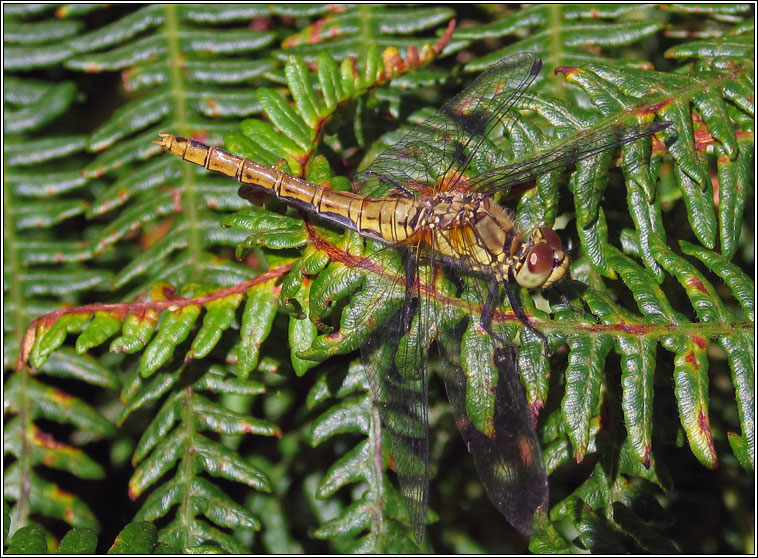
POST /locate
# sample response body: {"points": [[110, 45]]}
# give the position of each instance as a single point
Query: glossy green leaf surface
{"points": [[205, 348]]}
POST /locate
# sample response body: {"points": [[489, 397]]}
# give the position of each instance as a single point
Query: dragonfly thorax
{"points": [[469, 231]]}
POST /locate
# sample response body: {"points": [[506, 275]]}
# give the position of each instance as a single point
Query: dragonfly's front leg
{"points": [[489, 309], [493, 296]]}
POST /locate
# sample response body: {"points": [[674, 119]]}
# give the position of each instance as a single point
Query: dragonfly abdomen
{"points": [[388, 219]]}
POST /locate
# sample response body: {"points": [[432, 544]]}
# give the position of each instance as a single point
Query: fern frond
{"points": [[202, 345], [358, 28], [43, 196]]}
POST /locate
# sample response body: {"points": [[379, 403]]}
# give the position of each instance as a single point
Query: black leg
{"points": [[567, 302], [522, 317], [411, 294], [493, 295]]}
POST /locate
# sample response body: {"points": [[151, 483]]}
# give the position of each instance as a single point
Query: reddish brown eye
{"points": [[552, 239], [540, 259]]}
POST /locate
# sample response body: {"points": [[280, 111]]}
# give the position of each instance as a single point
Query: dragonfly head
{"points": [[544, 260]]}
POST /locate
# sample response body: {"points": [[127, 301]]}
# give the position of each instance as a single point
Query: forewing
{"points": [[446, 142], [581, 146]]}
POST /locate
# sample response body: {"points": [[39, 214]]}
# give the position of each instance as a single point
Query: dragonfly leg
{"points": [[489, 309], [565, 293], [411, 294], [569, 305], [522, 317]]}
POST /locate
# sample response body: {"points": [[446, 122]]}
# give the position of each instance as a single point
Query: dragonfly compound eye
{"points": [[545, 262], [552, 239], [536, 267]]}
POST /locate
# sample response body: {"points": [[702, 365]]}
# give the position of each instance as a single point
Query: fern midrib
{"points": [[21, 509], [178, 93], [186, 467], [366, 36], [555, 23]]}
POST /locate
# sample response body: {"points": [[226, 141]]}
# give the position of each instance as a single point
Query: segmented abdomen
{"points": [[387, 219]]}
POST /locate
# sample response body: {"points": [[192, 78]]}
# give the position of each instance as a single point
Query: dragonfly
{"points": [[429, 201]]}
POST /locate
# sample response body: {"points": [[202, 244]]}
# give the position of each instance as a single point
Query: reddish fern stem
{"points": [[124, 308]]}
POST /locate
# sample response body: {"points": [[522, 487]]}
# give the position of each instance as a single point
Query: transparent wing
{"points": [[445, 144], [581, 146], [504, 443], [397, 360], [396, 354], [443, 151], [396, 357]]}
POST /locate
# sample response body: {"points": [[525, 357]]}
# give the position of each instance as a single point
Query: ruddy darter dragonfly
{"points": [[429, 198]]}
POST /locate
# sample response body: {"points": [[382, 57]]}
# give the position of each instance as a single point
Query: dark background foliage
{"points": [[97, 440]]}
